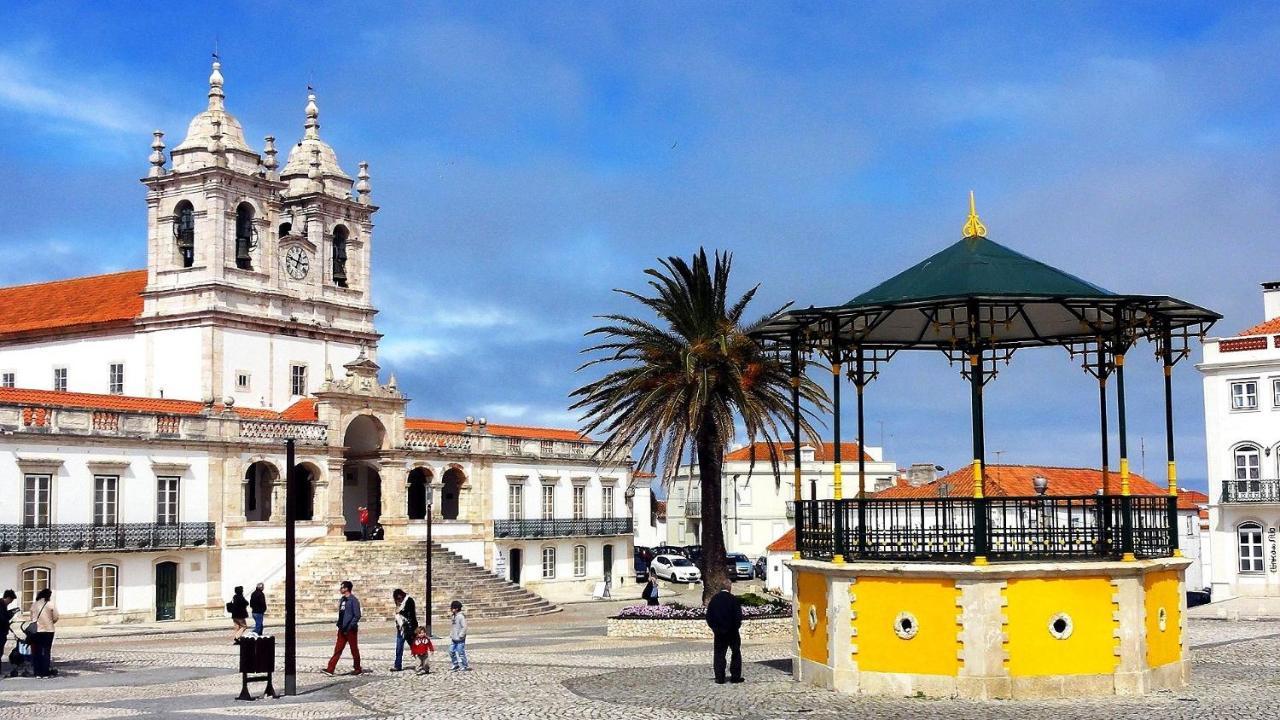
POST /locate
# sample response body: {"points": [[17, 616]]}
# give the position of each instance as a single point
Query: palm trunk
{"points": [[715, 575]]}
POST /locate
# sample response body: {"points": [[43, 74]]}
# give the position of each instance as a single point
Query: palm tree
{"points": [[685, 379]]}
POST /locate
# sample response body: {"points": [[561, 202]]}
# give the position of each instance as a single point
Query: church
{"points": [[143, 419]]}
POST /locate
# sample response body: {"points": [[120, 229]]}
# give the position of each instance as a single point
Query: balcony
{"points": [[561, 527], [1250, 491], [128, 536], [693, 509]]}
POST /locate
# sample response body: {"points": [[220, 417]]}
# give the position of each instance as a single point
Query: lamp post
{"points": [[427, 594], [290, 596]]}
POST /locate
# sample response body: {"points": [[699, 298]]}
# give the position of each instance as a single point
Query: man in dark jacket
{"points": [[239, 609], [8, 608], [258, 606], [348, 629], [724, 616]]}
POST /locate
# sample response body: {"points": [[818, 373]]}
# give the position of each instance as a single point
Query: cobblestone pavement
{"points": [[561, 667]]}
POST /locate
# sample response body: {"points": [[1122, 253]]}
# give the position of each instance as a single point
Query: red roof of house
{"points": [[97, 301], [303, 410], [786, 543], [823, 453], [1015, 480], [1191, 499], [1267, 327], [121, 403], [521, 431]]}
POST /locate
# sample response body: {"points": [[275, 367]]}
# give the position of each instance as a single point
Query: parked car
{"points": [[739, 567], [642, 557], [694, 553], [762, 567], [668, 550], [1198, 597], [675, 568]]}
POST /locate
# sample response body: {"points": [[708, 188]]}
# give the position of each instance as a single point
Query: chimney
{"points": [[1271, 300], [921, 474]]}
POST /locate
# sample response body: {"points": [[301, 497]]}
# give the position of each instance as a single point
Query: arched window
{"points": [[548, 563], [1248, 469], [286, 229], [451, 490], [340, 235], [104, 586], [34, 579], [184, 232], [304, 490], [419, 482], [1249, 535], [579, 560], [259, 480], [245, 232]]}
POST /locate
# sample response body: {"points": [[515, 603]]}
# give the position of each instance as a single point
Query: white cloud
{"points": [[404, 349], [27, 88]]}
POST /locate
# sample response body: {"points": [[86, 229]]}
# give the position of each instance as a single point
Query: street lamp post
{"points": [[430, 500], [290, 596]]}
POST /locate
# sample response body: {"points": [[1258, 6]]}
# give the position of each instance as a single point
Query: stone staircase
{"points": [[377, 568]]}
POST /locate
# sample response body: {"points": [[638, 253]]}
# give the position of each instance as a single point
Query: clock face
{"points": [[296, 263]]}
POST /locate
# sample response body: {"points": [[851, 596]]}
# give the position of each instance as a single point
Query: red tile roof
{"points": [[1267, 327], [1015, 480], [825, 453], [1191, 499], [520, 431], [786, 543], [302, 411], [121, 403], [98, 301]]}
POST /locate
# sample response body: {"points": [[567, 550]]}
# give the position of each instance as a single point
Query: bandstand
{"points": [[976, 596]]}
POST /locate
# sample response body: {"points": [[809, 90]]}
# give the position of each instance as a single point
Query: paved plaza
{"points": [[561, 667]]}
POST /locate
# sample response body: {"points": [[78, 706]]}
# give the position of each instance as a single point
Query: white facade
{"points": [[756, 504], [142, 431], [1242, 438]]}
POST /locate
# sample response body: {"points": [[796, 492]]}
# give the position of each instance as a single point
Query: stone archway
{"points": [[259, 485], [416, 491], [305, 476], [451, 491], [361, 481]]}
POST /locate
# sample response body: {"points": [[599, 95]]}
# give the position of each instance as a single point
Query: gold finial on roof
{"points": [[973, 227]]}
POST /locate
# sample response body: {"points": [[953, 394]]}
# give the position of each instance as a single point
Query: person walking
{"points": [[258, 606], [406, 624], [650, 592], [363, 514], [724, 616], [239, 609], [458, 637], [348, 629], [44, 615], [8, 608], [422, 647]]}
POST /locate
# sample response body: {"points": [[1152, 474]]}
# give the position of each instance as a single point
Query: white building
{"points": [[1242, 437], [649, 512], [757, 505], [143, 414]]}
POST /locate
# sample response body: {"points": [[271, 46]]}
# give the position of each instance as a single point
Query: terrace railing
{"points": [[70, 537], [1090, 527], [1251, 491], [562, 527]]}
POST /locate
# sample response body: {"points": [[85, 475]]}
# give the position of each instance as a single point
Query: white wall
{"points": [[269, 358], [87, 361], [70, 581], [566, 586]]}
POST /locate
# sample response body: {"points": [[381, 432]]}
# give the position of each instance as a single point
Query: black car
{"points": [[642, 557], [694, 553], [1198, 597], [762, 567], [667, 550]]}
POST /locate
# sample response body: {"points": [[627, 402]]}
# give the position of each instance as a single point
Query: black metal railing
{"points": [[561, 527], [1090, 527], [125, 536], [1251, 491]]}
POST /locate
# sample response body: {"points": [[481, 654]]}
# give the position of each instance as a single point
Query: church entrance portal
{"points": [[361, 482]]}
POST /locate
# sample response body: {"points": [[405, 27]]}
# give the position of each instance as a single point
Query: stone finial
{"points": [[392, 382], [312, 124], [229, 401], [328, 373], [216, 97], [269, 155], [317, 180], [216, 146], [362, 183], [157, 154]]}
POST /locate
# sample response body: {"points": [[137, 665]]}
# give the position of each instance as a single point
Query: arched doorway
{"points": [[419, 481], [361, 483], [454, 479], [304, 492], [515, 561], [259, 483]]}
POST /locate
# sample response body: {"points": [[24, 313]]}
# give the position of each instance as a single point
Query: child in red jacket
{"points": [[420, 646]]}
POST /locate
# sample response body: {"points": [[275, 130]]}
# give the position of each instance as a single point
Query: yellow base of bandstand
{"points": [[997, 631]]}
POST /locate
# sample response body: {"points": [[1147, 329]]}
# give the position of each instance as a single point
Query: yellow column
{"points": [[837, 476]]}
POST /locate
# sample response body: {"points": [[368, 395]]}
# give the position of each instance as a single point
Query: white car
{"points": [[675, 568]]}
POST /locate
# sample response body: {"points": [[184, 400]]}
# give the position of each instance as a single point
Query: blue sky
{"points": [[530, 158]]}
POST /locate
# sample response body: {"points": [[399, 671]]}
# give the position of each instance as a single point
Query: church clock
{"points": [[296, 263]]}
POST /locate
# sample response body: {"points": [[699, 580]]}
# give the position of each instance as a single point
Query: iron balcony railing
{"points": [[561, 527], [126, 536], [1251, 491], [958, 529]]}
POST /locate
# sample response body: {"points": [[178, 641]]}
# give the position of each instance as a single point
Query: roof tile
{"points": [[1015, 480], [94, 301]]}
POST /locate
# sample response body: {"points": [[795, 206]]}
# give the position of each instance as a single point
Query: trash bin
{"points": [[257, 659]]}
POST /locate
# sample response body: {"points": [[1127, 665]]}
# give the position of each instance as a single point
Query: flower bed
{"points": [[762, 618]]}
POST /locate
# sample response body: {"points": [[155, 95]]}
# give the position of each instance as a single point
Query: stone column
{"points": [[844, 671], [332, 507], [982, 652], [395, 515], [1131, 634]]}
